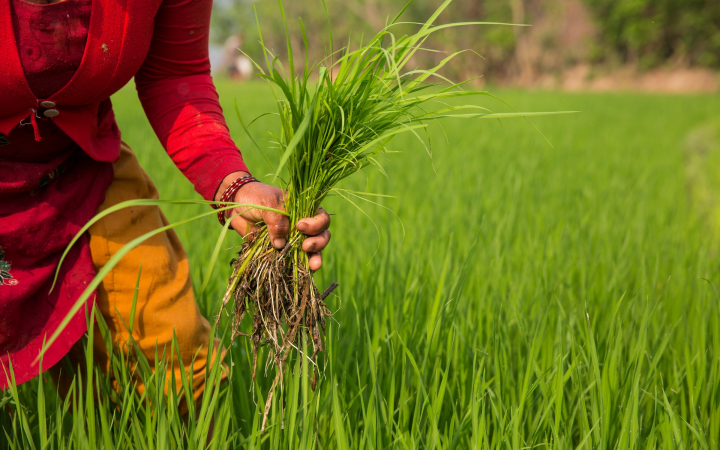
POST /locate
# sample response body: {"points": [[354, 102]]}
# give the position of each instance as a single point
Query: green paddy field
{"points": [[514, 295]]}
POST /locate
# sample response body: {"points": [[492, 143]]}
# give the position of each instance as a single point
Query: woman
{"points": [[62, 161]]}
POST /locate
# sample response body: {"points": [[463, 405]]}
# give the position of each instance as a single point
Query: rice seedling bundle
{"points": [[330, 130]]}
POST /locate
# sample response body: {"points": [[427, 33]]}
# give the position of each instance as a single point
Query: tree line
{"points": [[643, 33]]}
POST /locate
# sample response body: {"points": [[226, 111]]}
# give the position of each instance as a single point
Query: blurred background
{"points": [[598, 45]]}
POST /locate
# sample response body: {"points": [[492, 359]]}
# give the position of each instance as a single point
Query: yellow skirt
{"points": [[165, 301]]}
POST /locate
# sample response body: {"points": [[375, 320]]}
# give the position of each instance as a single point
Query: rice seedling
{"points": [[330, 130]]}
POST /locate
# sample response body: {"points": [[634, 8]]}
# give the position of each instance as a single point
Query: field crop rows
{"points": [[526, 295]]}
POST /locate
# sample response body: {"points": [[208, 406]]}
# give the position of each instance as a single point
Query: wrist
{"points": [[227, 181], [235, 181]]}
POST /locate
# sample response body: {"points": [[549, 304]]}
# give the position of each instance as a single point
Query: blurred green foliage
{"points": [[353, 19], [650, 32], [643, 33]]}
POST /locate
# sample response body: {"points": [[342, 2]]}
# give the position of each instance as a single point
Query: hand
{"points": [[315, 228]]}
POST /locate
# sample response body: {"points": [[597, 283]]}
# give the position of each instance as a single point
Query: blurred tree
{"points": [[651, 32]]}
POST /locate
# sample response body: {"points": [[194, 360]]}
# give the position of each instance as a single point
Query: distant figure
{"points": [[238, 66]]}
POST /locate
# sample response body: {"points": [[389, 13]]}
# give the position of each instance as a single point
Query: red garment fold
{"points": [[42, 207]]}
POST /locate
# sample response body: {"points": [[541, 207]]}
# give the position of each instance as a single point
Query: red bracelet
{"points": [[229, 194]]}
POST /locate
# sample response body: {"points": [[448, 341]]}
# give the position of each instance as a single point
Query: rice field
{"points": [[514, 295]]}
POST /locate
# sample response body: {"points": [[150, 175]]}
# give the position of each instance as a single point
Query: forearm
{"points": [[187, 118], [180, 100]]}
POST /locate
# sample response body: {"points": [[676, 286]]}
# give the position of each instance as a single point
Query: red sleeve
{"points": [[179, 98]]}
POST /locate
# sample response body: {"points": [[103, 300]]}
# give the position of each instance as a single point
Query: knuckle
{"points": [[274, 203], [311, 245], [324, 217], [280, 226]]}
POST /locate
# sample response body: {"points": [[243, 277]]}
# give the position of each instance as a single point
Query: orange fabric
{"points": [[166, 301]]}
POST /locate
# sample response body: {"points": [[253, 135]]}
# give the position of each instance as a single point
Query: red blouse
{"points": [[51, 41], [172, 78]]}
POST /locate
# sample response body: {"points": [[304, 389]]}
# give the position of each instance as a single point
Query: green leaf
{"points": [[300, 132]]}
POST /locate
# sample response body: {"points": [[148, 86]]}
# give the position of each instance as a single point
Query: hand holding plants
{"points": [[314, 228]]}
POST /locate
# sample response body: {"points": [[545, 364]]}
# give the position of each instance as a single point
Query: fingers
{"points": [[278, 227], [315, 261], [317, 243], [243, 226], [316, 228], [269, 196], [313, 226]]}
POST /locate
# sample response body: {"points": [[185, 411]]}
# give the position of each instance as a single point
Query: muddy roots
{"points": [[277, 288]]}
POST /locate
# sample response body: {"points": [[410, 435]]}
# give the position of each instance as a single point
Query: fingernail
{"points": [[302, 226], [279, 243]]}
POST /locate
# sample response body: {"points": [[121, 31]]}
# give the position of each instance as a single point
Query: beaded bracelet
{"points": [[230, 194]]}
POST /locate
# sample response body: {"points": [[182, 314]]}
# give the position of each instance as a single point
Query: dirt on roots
{"points": [[278, 289]]}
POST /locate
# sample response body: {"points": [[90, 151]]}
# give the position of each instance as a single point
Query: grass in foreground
{"points": [[473, 331], [364, 97]]}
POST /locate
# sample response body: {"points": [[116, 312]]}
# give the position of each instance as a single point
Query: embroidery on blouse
{"points": [[5, 277], [4, 140]]}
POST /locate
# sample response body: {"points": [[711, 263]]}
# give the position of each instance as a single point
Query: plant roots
{"points": [[278, 289]]}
